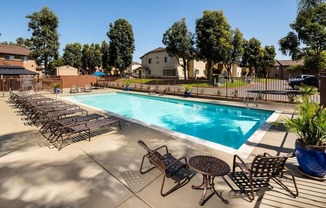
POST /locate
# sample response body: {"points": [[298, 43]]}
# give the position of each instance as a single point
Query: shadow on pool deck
{"points": [[105, 171]]}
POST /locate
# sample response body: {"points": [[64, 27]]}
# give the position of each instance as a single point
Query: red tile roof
{"points": [[14, 50]]}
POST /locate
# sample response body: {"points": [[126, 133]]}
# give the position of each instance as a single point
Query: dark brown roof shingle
{"points": [[14, 50], [287, 63], [15, 70]]}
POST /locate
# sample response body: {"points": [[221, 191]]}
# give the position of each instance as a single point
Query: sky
{"points": [[87, 21]]}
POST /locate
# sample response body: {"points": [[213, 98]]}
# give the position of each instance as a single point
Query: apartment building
{"points": [[158, 64], [14, 61]]}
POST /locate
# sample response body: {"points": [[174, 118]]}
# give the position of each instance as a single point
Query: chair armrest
{"points": [[291, 154], [239, 158], [267, 154], [163, 146]]}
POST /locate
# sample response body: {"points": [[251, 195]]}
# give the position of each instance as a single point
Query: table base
{"points": [[208, 183]]}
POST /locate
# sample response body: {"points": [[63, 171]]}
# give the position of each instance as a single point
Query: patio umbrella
{"points": [[99, 74]]}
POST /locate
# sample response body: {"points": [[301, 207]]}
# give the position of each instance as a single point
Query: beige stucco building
{"points": [[236, 71], [66, 70], [158, 63], [133, 67]]}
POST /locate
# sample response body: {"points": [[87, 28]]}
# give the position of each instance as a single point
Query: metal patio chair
{"points": [[169, 165], [258, 173]]}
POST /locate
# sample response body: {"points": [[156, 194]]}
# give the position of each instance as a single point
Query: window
{"points": [[9, 57], [169, 72], [166, 59], [277, 68], [149, 60], [24, 58], [149, 72]]}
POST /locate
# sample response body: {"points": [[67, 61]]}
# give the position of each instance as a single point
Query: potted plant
{"points": [[187, 90], [310, 126], [56, 87], [127, 83]]}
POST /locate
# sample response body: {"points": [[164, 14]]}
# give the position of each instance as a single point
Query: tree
{"points": [[122, 44], [73, 54], [252, 55], [45, 37], [268, 59], [236, 51], [307, 41], [55, 63], [105, 56], [213, 38], [305, 5], [91, 57], [179, 43], [23, 42]]}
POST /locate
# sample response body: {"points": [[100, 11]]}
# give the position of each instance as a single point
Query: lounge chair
{"points": [[152, 90], [51, 125], [87, 88], [166, 163], [67, 131], [258, 173], [73, 89]]}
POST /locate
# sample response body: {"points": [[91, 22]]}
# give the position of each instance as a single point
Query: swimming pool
{"points": [[221, 124]]}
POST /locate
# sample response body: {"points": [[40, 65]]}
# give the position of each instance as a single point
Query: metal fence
{"points": [[241, 88], [7, 85]]}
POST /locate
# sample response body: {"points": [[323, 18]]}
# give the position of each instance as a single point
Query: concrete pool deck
{"points": [[105, 171]]}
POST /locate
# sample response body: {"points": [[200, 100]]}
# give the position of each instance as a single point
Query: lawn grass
{"points": [[237, 82]]}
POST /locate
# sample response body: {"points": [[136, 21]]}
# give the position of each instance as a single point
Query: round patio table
{"points": [[209, 167]]}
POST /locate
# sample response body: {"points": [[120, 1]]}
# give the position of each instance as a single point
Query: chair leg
{"points": [[141, 167], [89, 134], [178, 185], [163, 194], [251, 194], [285, 187], [62, 141]]}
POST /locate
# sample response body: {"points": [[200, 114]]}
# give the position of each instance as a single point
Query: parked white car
{"points": [[300, 77]]}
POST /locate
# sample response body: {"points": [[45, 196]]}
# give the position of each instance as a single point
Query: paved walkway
{"points": [[105, 171]]}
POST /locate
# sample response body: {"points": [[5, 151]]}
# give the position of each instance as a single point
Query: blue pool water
{"points": [[226, 125]]}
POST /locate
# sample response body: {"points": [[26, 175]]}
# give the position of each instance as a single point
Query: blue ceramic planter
{"points": [[187, 94], [128, 88], [56, 90], [311, 159]]}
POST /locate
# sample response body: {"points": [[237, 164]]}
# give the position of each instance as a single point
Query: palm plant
{"points": [[57, 85], [187, 88], [310, 123]]}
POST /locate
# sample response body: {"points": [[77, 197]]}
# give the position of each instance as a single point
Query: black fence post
{"points": [[266, 88], [197, 87]]}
